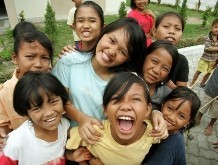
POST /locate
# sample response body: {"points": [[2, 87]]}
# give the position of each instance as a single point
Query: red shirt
{"points": [[145, 20]]}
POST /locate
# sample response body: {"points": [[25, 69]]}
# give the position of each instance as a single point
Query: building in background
{"points": [[34, 10]]}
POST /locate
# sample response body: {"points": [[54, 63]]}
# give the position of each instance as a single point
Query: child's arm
{"points": [[86, 130], [159, 124], [78, 155], [66, 49], [95, 161]]}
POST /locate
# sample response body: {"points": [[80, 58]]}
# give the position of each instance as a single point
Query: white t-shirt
{"points": [[24, 147]]}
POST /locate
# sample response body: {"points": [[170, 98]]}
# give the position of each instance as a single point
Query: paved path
{"points": [[199, 150]]}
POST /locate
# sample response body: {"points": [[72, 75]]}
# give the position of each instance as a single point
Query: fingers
{"points": [[65, 50], [98, 123]]}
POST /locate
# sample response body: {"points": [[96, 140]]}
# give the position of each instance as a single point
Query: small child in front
{"points": [[179, 110], [42, 138], [126, 103]]}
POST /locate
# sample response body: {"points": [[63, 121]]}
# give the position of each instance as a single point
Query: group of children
{"points": [[98, 81]]}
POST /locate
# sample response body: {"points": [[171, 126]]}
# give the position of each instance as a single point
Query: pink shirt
{"points": [[145, 20], [8, 116]]}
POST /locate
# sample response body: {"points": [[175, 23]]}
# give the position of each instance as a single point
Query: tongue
{"points": [[126, 124]]}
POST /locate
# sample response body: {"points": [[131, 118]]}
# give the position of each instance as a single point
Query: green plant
{"points": [[176, 6], [183, 10], [205, 15], [6, 54], [215, 10], [122, 10], [21, 15], [158, 2], [50, 22]]}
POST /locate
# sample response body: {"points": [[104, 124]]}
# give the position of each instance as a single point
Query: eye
{"points": [[93, 21], [182, 117], [154, 61], [30, 57], [112, 41], [34, 109], [136, 98], [123, 53], [170, 109], [79, 20], [46, 58], [166, 69], [178, 29]]}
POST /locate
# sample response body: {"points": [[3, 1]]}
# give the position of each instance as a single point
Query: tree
{"points": [[176, 6], [215, 10], [183, 10], [50, 22], [122, 10]]}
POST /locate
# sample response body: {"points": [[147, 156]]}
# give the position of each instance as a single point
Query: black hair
{"points": [[168, 14], [214, 22], [31, 37], [123, 81], [93, 5], [133, 5], [136, 42], [186, 94], [172, 50], [23, 27], [31, 87]]}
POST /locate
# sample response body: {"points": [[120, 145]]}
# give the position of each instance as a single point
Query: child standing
{"points": [[70, 18], [144, 18], [209, 57], [211, 91], [88, 23], [125, 140], [32, 52], [41, 139], [179, 109], [169, 26]]}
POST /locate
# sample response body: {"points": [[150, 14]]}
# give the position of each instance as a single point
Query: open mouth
{"points": [[125, 124], [50, 120]]}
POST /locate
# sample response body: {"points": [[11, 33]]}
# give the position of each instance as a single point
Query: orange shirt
{"points": [[8, 116]]}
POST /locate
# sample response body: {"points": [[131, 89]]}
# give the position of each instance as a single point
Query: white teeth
{"points": [[86, 33], [169, 124], [50, 120], [125, 118]]}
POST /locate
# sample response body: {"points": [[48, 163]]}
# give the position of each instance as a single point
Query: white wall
{"points": [[112, 6], [33, 9]]}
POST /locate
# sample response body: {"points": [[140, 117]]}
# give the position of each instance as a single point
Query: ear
{"points": [[148, 112], [14, 58], [154, 32], [105, 111]]}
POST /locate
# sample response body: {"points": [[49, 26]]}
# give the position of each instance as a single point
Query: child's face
{"points": [[31, 57], [77, 2], [140, 4], [215, 29], [169, 29], [126, 116], [157, 66], [112, 49], [176, 117], [87, 24], [46, 117]]}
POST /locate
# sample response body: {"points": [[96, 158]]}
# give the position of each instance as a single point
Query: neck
{"points": [[46, 135], [103, 72], [152, 88], [87, 46]]}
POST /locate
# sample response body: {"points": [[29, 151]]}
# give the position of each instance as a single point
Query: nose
{"points": [[156, 69], [171, 117], [38, 63], [172, 30], [48, 112], [86, 24], [125, 106]]}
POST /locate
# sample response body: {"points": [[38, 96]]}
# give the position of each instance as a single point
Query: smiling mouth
{"points": [[125, 124], [51, 119]]}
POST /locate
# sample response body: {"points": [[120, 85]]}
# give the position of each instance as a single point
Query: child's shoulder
{"points": [[76, 57]]}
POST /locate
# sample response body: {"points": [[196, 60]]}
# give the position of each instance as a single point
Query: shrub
{"points": [[50, 22], [6, 54], [205, 15], [122, 10]]}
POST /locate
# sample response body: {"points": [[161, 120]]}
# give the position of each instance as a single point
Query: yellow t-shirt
{"points": [[111, 152]]}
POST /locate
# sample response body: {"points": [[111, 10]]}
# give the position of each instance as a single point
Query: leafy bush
{"points": [[205, 15], [50, 22], [183, 10], [122, 10], [6, 54]]}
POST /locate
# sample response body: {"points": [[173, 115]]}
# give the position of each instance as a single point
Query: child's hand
{"points": [[87, 132], [78, 155], [95, 161], [159, 124], [66, 49], [3, 137]]}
